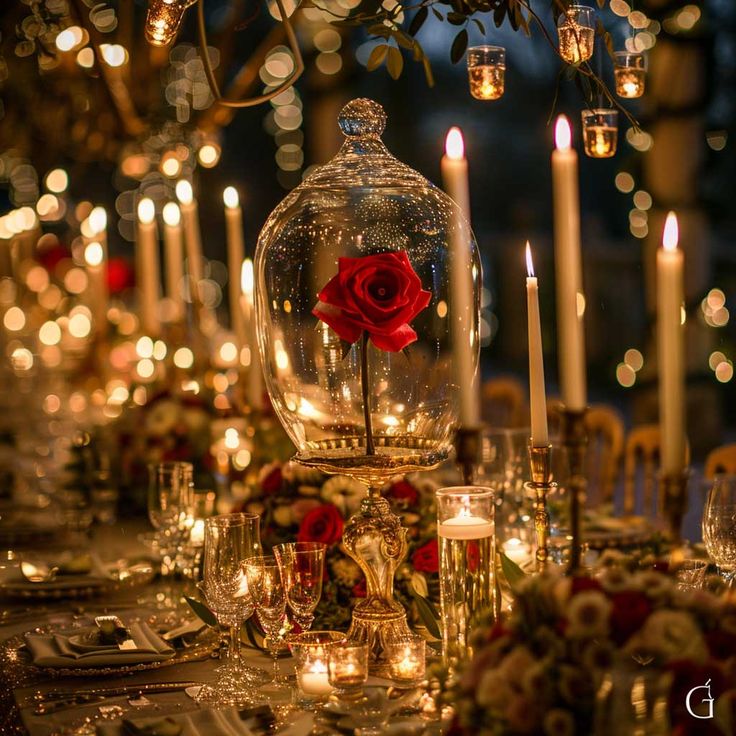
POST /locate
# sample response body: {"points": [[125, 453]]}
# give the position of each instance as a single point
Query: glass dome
{"points": [[336, 325]]}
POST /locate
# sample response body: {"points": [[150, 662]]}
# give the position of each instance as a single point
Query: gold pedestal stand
{"points": [[575, 442], [540, 484]]}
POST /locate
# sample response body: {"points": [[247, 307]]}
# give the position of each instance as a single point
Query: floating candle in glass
{"points": [[576, 34], [630, 71], [407, 660], [311, 650], [347, 667], [600, 132], [486, 71]]}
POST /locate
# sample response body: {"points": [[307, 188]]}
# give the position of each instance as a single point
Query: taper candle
{"points": [[174, 259], [147, 274], [568, 269], [537, 394], [235, 255], [192, 234], [670, 349], [455, 181], [254, 391]]}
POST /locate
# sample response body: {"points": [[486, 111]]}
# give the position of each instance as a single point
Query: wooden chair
{"points": [[605, 450], [721, 461], [504, 402], [641, 461]]}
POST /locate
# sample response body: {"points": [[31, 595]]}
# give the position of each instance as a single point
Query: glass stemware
{"points": [[719, 525], [228, 540], [269, 597], [302, 567]]}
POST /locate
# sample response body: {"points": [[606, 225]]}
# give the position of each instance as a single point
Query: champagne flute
{"points": [[302, 567], [719, 525], [269, 597], [228, 540]]}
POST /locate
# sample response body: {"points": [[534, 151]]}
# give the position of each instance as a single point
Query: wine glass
{"points": [[302, 567], [269, 597], [719, 525], [228, 540]]}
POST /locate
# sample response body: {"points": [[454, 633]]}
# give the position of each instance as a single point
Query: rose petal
{"points": [[396, 341], [345, 328]]}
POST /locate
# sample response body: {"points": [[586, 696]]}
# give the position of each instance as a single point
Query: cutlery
{"points": [[111, 692], [38, 572], [55, 706]]}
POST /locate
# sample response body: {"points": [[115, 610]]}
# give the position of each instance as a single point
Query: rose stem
{"points": [[369, 448]]}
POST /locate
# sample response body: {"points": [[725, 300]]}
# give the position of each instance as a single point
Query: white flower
{"points": [[345, 493], [558, 722], [308, 491], [516, 664], [345, 571], [282, 515], [615, 579], [419, 584], [654, 584], [493, 690], [561, 590], [670, 635], [587, 615], [300, 474], [162, 417]]}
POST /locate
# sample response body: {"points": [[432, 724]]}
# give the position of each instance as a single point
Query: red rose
{"points": [[629, 611], [426, 558], [359, 589], [404, 492], [272, 481], [323, 524], [379, 294], [472, 556], [581, 584]]}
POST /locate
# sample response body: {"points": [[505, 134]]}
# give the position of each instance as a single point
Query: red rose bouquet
{"points": [[373, 298]]}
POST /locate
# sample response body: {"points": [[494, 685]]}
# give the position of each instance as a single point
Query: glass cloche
{"points": [[354, 309]]}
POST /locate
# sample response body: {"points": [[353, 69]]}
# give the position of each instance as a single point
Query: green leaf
{"points": [[480, 25], [395, 62], [427, 613], [418, 20], [457, 19], [499, 14], [202, 611], [458, 46], [345, 346], [377, 56], [407, 355], [511, 571], [437, 14], [404, 40]]}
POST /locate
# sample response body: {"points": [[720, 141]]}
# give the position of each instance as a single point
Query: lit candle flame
{"points": [[146, 210], [563, 134], [97, 220], [184, 191], [454, 144], [172, 214], [246, 277], [230, 197], [93, 254], [529, 262], [671, 233]]}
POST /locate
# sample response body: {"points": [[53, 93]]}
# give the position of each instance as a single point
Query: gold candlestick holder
{"points": [[575, 442], [674, 501], [468, 452], [541, 483]]}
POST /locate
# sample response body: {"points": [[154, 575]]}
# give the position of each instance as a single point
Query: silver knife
{"points": [[112, 692]]}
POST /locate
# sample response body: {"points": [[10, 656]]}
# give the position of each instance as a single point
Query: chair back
{"points": [[721, 461], [605, 450], [504, 402]]}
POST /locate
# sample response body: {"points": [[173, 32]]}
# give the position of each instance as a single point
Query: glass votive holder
{"points": [[690, 574], [311, 650], [600, 132], [630, 72], [576, 34], [486, 71], [347, 668], [407, 661]]}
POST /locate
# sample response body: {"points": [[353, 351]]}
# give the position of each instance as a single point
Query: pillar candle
{"points": [[455, 182], [670, 350], [97, 264], [174, 259], [537, 395], [147, 274], [570, 299], [235, 255]]}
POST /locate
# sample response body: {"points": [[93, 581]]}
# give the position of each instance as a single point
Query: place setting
{"points": [[366, 369]]}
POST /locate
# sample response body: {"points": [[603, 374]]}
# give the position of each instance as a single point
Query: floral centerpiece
{"points": [[540, 671], [301, 503]]}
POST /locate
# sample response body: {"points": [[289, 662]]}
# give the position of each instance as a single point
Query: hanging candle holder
{"points": [[576, 33], [163, 20], [630, 71], [486, 71], [600, 132]]}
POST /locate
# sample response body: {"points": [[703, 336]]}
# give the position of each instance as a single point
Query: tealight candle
{"points": [[407, 660], [518, 551], [313, 677], [486, 72], [347, 665], [630, 73], [600, 132]]}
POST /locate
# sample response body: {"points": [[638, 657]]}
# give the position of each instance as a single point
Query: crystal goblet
{"points": [[719, 526], [302, 566]]}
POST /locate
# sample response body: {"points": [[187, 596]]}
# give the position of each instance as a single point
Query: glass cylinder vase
{"points": [[630, 73], [600, 132], [576, 34], [486, 71], [466, 531]]}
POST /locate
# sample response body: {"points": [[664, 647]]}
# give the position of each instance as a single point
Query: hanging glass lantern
{"points": [[486, 71], [163, 20], [630, 71], [576, 33], [600, 132]]}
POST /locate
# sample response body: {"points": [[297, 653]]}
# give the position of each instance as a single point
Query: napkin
{"points": [[205, 722], [71, 649]]}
